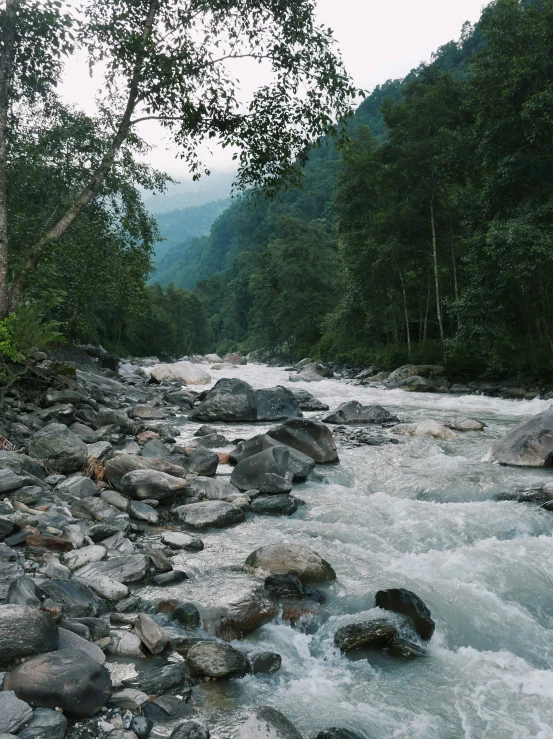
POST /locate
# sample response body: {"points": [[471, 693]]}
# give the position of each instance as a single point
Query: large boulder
{"points": [[309, 437], [378, 633], [76, 598], [267, 723], [407, 603], [300, 464], [211, 659], [210, 513], [58, 448], [68, 679], [151, 484], [528, 444], [200, 461], [268, 471], [275, 404], [119, 466], [428, 371], [24, 632], [229, 400], [353, 412], [289, 559], [185, 372], [307, 401]]}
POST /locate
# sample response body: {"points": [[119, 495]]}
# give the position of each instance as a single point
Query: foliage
{"points": [[25, 332]]}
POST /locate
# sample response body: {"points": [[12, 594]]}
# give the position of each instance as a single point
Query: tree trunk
{"points": [[425, 333], [406, 318], [7, 57], [436, 279]]}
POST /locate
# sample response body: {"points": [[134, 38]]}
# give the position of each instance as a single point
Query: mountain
{"points": [[186, 194]]}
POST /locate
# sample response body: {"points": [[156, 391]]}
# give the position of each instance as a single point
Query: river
{"points": [[421, 515]]}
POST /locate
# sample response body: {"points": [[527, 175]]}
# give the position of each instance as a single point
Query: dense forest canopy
{"points": [[428, 238]]}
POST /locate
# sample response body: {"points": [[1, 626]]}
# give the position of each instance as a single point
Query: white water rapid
{"points": [[421, 515]]}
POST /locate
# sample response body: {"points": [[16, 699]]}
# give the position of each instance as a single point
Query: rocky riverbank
{"points": [[98, 504]]}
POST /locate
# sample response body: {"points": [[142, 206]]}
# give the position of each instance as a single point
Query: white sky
{"points": [[378, 39]]}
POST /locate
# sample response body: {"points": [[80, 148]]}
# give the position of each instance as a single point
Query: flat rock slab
{"points": [[355, 413], [68, 679], [289, 559], [216, 514], [121, 569]]}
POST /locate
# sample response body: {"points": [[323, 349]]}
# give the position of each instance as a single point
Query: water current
{"points": [[421, 515]]}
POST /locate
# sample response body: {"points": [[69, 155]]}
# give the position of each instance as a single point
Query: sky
{"points": [[378, 40]]}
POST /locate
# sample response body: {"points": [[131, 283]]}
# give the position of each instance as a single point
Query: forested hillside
{"points": [[429, 237]]}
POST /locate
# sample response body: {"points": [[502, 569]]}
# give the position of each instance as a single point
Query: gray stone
{"points": [[68, 679], [264, 663], [59, 448], [200, 461], [14, 713], [300, 464], [149, 633], [121, 569], [20, 463], [353, 412], [207, 487], [24, 632], [9, 480], [528, 444], [309, 437], [216, 513], [45, 724], [99, 451], [76, 598], [143, 512], [334, 733], [229, 400], [142, 726], [70, 640], [110, 417], [86, 555], [160, 680], [211, 659], [307, 401], [289, 559], [117, 467], [144, 484], [125, 644], [115, 499], [23, 592], [147, 413], [241, 615], [407, 603], [129, 699], [155, 449], [191, 730], [78, 487], [268, 471], [267, 723], [212, 441], [186, 614], [274, 505], [84, 432], [419, 370], [93, 509], [180, 540], [276, 404], [378, 633]]}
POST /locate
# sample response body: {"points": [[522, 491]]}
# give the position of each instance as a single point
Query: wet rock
{"points": [[147, 413], [45, 724], [308, 402], [78, 487], [115, 499], [76, 598], [467, 424], [191, 730], [411, 370], [99, 451], [23, 592], [289, 559], [170, 578], [185, 372], [125, 644], [180, 540], [274, 505], [155, 449], [404, 649], [21, 464], [86, 555], [186, 614], [217, 514], [166, 707], [229, 400], [9, 480], [528, 444], [129, 699], [338, 734], [84, 432], [241, 616], [264, 663], [115, 417], [93, 509], [68, 679], [275, 404], [144, 484], [353, 412], [268, 471], [59, 448], [211, 659], [122, 569], [290, 587], [14, 713], [427, 428], [24, 632], [69, 640], [206, 487], [407, 603], [267, 723], [7, 527], [150, 634], [142, 726], [117, 467], [378, 633], [98, 627], [107, 588], [300, 464], [212, 441], [159, 561], [309, 437], [199, 461], [143, 512], [415, 384], [154, 682]]}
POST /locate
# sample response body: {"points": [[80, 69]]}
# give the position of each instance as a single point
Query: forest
{"points": [[428, 237]]}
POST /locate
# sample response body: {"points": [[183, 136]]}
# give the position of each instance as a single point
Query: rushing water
{"points": [[421, 515]]}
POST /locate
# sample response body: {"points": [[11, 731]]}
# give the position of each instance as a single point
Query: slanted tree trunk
{"points": [[7, 57], [436, 279]]}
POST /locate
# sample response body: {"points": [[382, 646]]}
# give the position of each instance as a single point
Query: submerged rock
{"points": [[289, 559], [407, 603], [528, 444], [212, 659], [377, 633]]}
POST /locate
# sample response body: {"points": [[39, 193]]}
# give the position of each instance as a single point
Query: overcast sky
{"points": [[379, 40]]}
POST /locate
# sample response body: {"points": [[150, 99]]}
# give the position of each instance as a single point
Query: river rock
{"points": [[378, 633], [68, 679], [428, 428], [180, 540], [338, 734], [264, 663], [211, 659], [24, 632], [407, 603], [154, 682], [274, 505], [154, 449], [233, 620], [147, 413], [199, 461], [125, 644], [45, 724], [267, 723], [212, 441], [412, 370], [209, 513], [107, 588], [143, 512], [21, 464], [185, 372], [70, 640], [528, 444], [235, 358], [93, 509], [129, 699], [300, 464], [268, 471], [191, 730], [276, 403], [186, 614], [353, 413], [59, 448], [76, 598], [115, 417], [117, 467], [206, 487], [78, 487], [229, 400], [309, 437], [467, 424], [23, 592], [148, 484], [415, 384], [289, 559], [121, 569], [14, 713], [290, 587], [149, 633], [84, 432], [307, 401]]}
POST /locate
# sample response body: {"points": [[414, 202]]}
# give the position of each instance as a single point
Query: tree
{"points": [[168, 60]]}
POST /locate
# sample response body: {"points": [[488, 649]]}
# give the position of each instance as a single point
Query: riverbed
{"points": [[422, 515]]}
